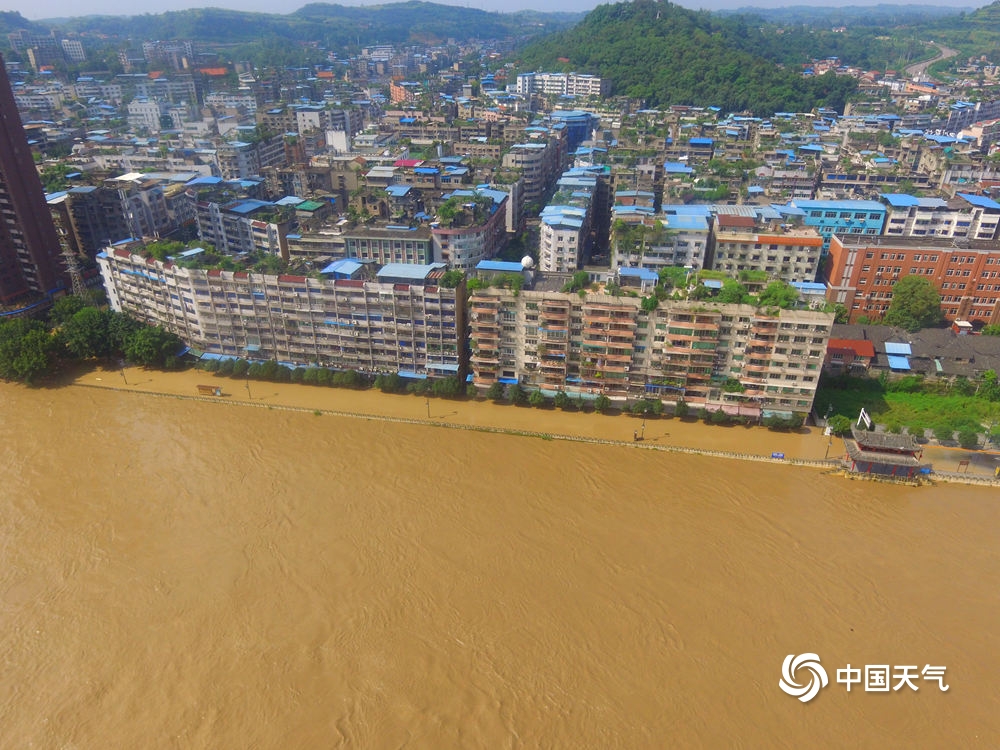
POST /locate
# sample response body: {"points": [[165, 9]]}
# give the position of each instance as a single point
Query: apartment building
{"points": [[783, 251], [402, 322], [862, 272], [675, 237], [479, 231], [245, 225], [602, 344], [839, 217], [969, 216], [562, 84], [389, 244]]}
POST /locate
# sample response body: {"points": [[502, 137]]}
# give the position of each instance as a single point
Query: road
{"points": [[912, 71]]}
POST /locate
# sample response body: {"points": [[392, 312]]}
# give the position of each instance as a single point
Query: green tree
{"points": [[944, 431], [840, 425], [151, 345], [65, 308], [602, 403], [25, 349], [778, 294], [681, 409], [121, 326], [989, 387], [733, 292], [495, 392], [537, 399], [85, 334], [517, 394], [991, 330], [562, 401], [446, 387], [915, 304], [968, 438], [390, 383]]}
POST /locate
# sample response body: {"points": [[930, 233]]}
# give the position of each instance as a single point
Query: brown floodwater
{"points": [[183, 574]]}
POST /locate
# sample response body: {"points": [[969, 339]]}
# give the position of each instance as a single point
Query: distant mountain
{"points": [[849, 15], [330, 25], [13, 21]]}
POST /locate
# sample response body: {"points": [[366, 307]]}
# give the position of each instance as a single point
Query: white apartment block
{"points": [[967, 216], [561, 84], [73, 50], [404, 322], [146, 113], [227, 100], [782, 252], [601, 344]]}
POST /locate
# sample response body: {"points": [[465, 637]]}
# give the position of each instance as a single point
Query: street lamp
{"points": [[248, 389]]}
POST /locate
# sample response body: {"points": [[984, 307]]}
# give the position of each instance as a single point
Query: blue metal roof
{"points": [[407, 271], [895, 348], [503, 266], [344, 266], [643, 274], [979, 201], [898, 363], [397, 191]]}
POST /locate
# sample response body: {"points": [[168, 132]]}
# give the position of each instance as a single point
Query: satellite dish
{"points": [[527, 262]]}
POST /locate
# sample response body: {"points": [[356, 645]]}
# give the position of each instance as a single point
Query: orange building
{"points": [[861, 271]]}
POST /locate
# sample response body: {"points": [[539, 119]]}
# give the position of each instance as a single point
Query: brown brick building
{"points": [[861, 271]]}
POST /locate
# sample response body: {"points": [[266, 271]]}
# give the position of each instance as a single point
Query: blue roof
{"points": [[502, 266], [407, 271], [898, 363], [712, 284], [676, 167], [979, 201], [247, 206], [643, 274], [397, 191], [894, 348], [691, 222], [701, 141], [344, 266]]}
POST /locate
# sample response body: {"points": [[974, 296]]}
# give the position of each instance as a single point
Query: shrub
{"points": [[840, 425], [537, 399], [602, 403], [968, 438]]}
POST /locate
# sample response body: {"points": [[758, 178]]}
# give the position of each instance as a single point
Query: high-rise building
{"points": [[30, 262]]}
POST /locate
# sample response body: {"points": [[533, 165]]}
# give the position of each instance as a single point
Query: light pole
{"points": [[249, 397], [121, 367]]}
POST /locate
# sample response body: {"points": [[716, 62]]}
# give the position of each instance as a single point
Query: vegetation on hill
{"points": [[334, 26], [664, 54], [976, 33]]}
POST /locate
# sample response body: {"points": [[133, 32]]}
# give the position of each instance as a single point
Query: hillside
{"points": [[330, 25], [664, 54]]}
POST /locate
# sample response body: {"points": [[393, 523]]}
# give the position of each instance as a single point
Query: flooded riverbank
{"points": [[212, 575]]}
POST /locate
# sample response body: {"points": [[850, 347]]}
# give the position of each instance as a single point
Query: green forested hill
{"points": [[665, 54], [330, 25]]}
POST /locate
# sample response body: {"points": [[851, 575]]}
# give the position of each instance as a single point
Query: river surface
{"points": [[183, 574]]}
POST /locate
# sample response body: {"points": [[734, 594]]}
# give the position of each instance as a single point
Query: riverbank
{"points": [[806, 446]]}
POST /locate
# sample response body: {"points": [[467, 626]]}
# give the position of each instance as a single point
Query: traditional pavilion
{"points": [[883, 454]]}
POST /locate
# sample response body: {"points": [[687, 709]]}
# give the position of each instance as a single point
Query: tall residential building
{"points": [[30, 260], [401, 321], [602, 344]]}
